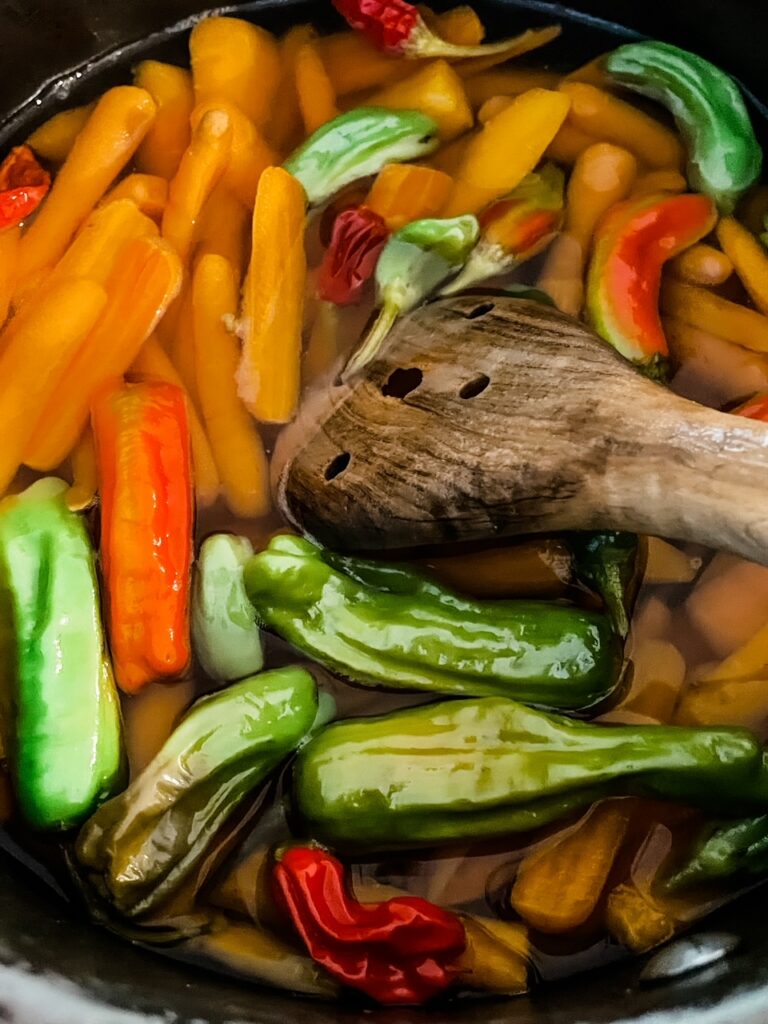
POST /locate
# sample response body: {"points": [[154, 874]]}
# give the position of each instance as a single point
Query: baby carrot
{"points": [[435, 90], [248, 154], [748, 257], [181, 346], [402, 193], [603, 175], [316, 95], [709, 312], [448, 158], [148, 191], [235, 441], [85, 478], [270, 369], [119, 122], [562, 276], [702, 264], [460, 25], [569, 143], [55, 138], [223, 230], [9, 247], [285, 126], [353, 64], [664, 180], [168, 137], [507, 82]]}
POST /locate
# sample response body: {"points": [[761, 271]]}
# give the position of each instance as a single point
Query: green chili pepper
{"points": [[415, 260], [225, 634], [738, 848], [724, 157], [142, 844], [388, 626], [357, 144], [64, 726], [471, 769], [611, 564]]}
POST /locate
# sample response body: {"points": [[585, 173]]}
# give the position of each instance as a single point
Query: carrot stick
{"points": [[9, 247], [223, 230], [749, 660], [54, 139], [748, 257], [37, 347], [323, 344], [562, 276], [145, 280], [270, 369], [317, 98], [507, 82], [449, 158], [148, 191], [181, 347], [236, 444], [664, 180], [702, 264], [354, 64], [106, 144], [460, 25], [248, 153], [82, 493], [435, 90], [603, 175], [286, 125], [569, 143], [709, 312], [168, 137], [402, 193]]}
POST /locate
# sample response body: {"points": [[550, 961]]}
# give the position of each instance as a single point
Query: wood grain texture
{"points": [[566, 435]]}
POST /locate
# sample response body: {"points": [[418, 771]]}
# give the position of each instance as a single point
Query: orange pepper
{"points": [[85, 478], [748, 257], [316, 95], [402, 193], [435, 90], [54, 139], [701, 308], [9, 247], [270, 369], [146, 278], [164, 144], [507, 82], [323, 344], [148, 191], [142, 450], [702, 264], [223, 230], [591, 73], [603, 175], [248, 155]]}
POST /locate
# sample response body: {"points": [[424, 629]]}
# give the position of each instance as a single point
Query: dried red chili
{"points": [[400, 951], [350, 260], [23, 186]]}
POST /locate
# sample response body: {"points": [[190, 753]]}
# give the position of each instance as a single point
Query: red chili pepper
{"points": [[350, 260], [400, 951], [23, 186]]}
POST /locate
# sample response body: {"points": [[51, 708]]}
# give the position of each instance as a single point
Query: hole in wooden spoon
{"points": [[337, 466], [402, 382], [480, 310], [475, 387]]}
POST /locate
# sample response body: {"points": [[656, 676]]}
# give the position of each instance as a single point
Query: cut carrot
{"points": [[353, 64], [200, 169], [711, 370], [492, 107], [664, 180], [534, 568], [146, 278], [323, 345], [748, 257], [119, 122], [54, 139], [435, 90], [562, 276], [403, 193], [37, 347], [460, 26], [182, 344], [236, 444], [526, 42], [9, 247], [658, 674], [603, 175], [569, 143], [496, 955], [314, 89], [702, 264], [591, 73], [717, 609], [736, 702], [709, 312], [223, 230], [248, 154], [449, 158], [285, 127], [636, 920], [148, 191], [749, 660], [270, 369], [666, 563], [167, 139], [507, 82], [85, 477]]}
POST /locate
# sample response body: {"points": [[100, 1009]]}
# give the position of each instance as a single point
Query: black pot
{"points": [[58, 969]]}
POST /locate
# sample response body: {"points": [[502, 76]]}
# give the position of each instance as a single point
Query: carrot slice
{"points": [[316, 95], [664, 180], [562, 276], [168, 137], [148, 191], [748, 257]]}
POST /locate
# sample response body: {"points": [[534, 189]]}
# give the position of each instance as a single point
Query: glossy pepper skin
{"points": [[139, 847], [23, 186], [357, 144], [401, 951], [350, 260], [65, 737], [142, 449], [383, 625], [471, 769], [610, 562], [632, 243], [724, 157], [737, 849]]}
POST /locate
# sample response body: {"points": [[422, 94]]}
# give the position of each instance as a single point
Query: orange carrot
{"points": [[317, 99], [701, 308], [748, 257], [562, 276], [168, 137], [507, 82], [702, 264], [248, 154], [54, 139], [664, 180], [402, 193], [82, 493], [223, 230], [148, 191], [9, 247], [285, 126], [437, 91], [603, 175]]}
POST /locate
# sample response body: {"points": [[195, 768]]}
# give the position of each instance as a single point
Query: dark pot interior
{"points": [[60, 52]]}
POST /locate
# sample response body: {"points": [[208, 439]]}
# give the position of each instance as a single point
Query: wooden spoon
{"points": [[482, 418]]}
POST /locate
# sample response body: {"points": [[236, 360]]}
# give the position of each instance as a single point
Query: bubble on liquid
{"points": [[688, 954]]}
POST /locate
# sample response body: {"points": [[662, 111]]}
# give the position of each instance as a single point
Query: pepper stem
{"points": [[372, 342], [422, 42], [484, 261]]}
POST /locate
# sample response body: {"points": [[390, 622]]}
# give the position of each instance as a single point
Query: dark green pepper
{"points": [[610, 563], [65, 743], [140, 846], [724, 156], [737, 849], [388, 626], [473, 769]]}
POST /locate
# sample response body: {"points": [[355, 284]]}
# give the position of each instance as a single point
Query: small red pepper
{"points": [[350, 260], [24, 184], [400, 951]]}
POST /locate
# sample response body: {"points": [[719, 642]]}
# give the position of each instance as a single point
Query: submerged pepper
{"points": [[724, 156], [357, 144], [350, 260], [385, 625], [737, 849], [400, 951], [632, 243], [65, 735], [140, 846], [225, 633], [610, 562], [415, 260], [23, 186], [472, 769]]}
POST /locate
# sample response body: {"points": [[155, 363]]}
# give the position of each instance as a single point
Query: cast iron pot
{"points": [[56, 968]]}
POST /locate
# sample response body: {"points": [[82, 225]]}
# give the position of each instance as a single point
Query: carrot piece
{"points": [[534, 568], [146, 278], [637, 921], [200, 169], [703, 309], [85, 477], [508, 147], [562, 276], [496, 955], [150, 718], [492, 107], [152, 361], [236, 444], [569, 143], [751, 659], [610, 119], [702, 264], [353, 64], [558, 885], [460, 26], [168, 137], [664, 180], [437, 91], [603, 175], [316, 95], [181, 347], [448, 158], [248, 154], [285, 126], [119, 122], [748, 257], [236, 61], [737, 702], [533, 39], [37, 347], [54, 139], [323, 343], [666, 563], [270, 369], [591, 73], [507, 82], [223, 230], [710, 370], [9, 247], [402, 193], [148, 191]]}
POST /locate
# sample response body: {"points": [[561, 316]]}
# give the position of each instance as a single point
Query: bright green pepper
{"points": [[357, 144], [730, 849], [225, 634], [724, 156], [65, 731], [388, 626], [610, 563], [141, 845], [472, 769], [415, 260]]}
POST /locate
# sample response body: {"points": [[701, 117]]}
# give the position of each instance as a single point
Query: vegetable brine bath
{"points": [[468, 770]]}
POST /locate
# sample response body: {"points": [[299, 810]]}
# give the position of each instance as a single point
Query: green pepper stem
{"points": [[372, 342], [484, 261]]}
